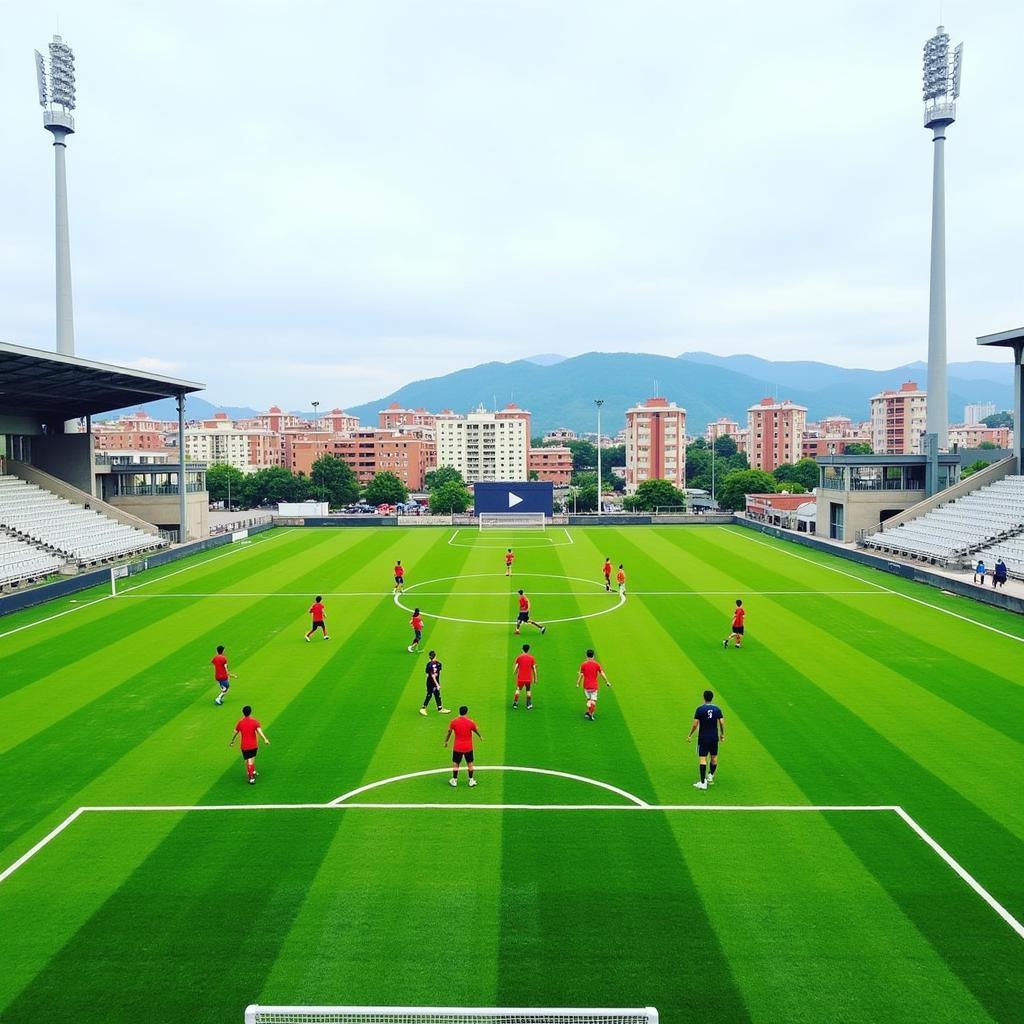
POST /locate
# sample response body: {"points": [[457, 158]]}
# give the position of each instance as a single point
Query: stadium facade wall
{"points": [[98, 577], [907, 571]]}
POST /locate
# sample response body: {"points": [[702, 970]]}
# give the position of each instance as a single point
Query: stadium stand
{"points": [[21, 562], [980, 520], [82, 535], [1011, 551]]}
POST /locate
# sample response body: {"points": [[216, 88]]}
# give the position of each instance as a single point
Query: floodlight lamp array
{"points": [[941, 72], [62, 74]]}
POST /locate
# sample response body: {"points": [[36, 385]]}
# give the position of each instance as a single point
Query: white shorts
{"points": [[591, 695]]}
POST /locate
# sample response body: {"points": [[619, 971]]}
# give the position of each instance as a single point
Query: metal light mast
{"points": [[57, 98], [941, 89]]}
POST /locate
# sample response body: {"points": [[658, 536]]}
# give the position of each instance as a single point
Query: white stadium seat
{"points": [[980, 522], [40, 532]]}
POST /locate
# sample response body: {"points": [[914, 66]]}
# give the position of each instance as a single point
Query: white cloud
{"points": [[266, 196]]}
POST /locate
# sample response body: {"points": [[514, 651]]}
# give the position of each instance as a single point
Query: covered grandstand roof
{"points": [[51, 385]]}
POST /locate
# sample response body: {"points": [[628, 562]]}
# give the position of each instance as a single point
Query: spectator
{"points": [[999, 574], [979, 573]]}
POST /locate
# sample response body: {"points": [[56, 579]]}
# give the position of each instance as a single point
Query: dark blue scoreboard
{"points": [[506, 497]]}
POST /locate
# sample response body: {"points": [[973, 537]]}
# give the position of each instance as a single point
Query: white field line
{"points": [[29, 854], [638, 807], [888, 590], [964, 874], [495, 768], [124, 591], [546, 593]]}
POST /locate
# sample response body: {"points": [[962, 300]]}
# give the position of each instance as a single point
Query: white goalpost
{"points": [[444, 1015], [512, 521]]}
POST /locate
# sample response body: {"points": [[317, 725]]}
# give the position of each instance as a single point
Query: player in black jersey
{"points": [[433, 686], [708, 719]]}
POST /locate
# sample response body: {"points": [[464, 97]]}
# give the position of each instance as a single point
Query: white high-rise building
{"points": [[898, 420], [484, 445], [218, 442], [977, 411]]}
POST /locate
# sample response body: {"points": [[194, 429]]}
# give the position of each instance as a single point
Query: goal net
{"points": [[443, 1015], [512, 520]]}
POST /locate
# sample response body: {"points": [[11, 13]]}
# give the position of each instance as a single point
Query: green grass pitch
{"points": [[854, 689]]}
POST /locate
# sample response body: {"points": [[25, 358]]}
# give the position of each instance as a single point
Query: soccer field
{"points": [[859, 857]]}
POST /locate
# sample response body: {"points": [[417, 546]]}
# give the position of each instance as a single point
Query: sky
{"points": [[327, 200]]}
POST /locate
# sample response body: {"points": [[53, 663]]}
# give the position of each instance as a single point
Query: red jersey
{"points": [[590, 670], [607, 569], [620, 577], [399, 572], [463, 728], [317, 611], [247, 730], [524, 668], [508, 558], [220, 667], [737, 619], [417, 623], [524, 603]]}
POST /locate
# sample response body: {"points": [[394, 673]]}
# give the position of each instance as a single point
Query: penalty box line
{"points": [[913, 825], [536, 593]]}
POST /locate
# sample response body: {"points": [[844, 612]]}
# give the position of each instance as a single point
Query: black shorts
{"points": [[433, 688], [458, 755], [247, 754], [319, 624], [738, 630], [417, 635], [399, 579], [523, 617], [707, 747]]}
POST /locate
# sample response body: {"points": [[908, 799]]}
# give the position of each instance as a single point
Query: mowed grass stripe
{"points": [[810, 932], [246, 879]]}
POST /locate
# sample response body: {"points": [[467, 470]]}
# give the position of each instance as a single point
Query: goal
{"points": [[443, 1015], [512, 520]]}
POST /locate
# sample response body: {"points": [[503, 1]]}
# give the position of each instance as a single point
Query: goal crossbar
{"points": [[257, 1014], [513, 520]]}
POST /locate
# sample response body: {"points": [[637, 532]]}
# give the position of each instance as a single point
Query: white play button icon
{"points": [[514, 499]]}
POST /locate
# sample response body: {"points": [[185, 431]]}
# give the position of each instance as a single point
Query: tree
{"points": [[583, 499], [385, 489], [220, 480], [584, 454], [999, 419], [725, 446], [334, 479], [974, 467], [804, 472], [533, 475], [274, 485], [654, 493], [988, 446], [442, 475], [737, 484], [791, 487], [858, 448], [449, 497]]}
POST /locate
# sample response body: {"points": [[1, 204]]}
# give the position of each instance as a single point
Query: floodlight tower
{"points": [[57, 98], [941, 89]]}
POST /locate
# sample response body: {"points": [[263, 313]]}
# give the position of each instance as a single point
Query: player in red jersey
{"points": [[620, 578], [524, 668], [316, 610], [251, 732], [737, 625], [417, 631], [464, 729], [589, 671], [399, 577], [607, 570], [524, 615], [221, 674], [509, 559]]}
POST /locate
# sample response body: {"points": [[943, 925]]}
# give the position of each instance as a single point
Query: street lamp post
{"points": [[599, 402], [316, 441], [713, 473]]}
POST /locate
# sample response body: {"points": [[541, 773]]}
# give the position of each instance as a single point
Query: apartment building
{"points": [[655, 443], [722, 427], [551, 463], [219, 442], [368, 451], [965, 435], [394, 417], [485, 445], [775, 433], [898, 420]]}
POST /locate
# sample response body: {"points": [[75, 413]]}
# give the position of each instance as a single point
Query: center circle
{"points": [[500, 575]]}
